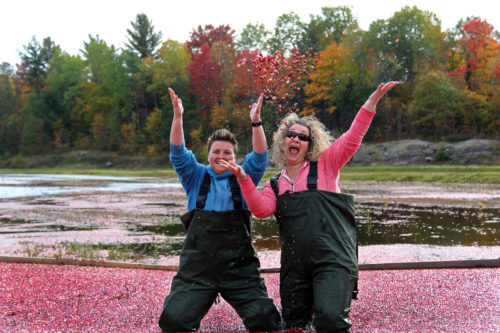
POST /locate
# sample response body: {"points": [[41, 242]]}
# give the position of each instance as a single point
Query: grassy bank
{"points": [[442, 174]]}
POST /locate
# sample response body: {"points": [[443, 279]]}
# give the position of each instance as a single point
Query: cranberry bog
{"points": [[135, 221]]}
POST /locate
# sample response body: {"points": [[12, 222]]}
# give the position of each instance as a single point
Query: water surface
{"points": [[137, 218], [33, 185]]}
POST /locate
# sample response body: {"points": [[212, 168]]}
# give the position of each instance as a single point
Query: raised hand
{"points": [[382, 89], [176, 132], [236, 169], [255, 111], [176, 103]]}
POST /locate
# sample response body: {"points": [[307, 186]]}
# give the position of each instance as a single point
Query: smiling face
{"points": [[295, 149], [220, 150]]}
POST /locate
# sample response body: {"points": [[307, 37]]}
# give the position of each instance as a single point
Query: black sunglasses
{"points": [[300, 136]]}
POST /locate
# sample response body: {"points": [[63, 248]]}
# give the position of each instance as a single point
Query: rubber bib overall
{"points": [[218, 258], [319, 267]]}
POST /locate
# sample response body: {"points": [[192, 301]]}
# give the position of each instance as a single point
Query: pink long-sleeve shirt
{"points": [[330, 161]]}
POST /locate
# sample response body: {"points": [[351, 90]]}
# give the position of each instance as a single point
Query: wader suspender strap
{"points": [[274, 183], [235, 192], [312, 177], [312, 184], [202, 194], [205, 188]]}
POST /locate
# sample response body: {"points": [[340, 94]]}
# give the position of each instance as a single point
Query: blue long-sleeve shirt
{"points": [[191, 175]]}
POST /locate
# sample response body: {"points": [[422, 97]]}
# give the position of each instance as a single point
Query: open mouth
{"points": [[293, 150]]}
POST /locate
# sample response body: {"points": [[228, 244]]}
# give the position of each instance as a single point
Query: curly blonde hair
{"points": [[320, 138]]}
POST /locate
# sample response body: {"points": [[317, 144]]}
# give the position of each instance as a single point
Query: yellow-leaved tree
{"points": [[327, 82]]}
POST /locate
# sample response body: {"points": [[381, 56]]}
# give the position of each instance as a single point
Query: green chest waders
{"points": [[218, 258], [319, 267]]}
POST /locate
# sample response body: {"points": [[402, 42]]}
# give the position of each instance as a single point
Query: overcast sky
{"points": [[69, 22]]}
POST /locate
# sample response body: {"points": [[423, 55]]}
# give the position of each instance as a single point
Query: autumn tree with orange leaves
{"points": [[480, 63], [478, 74]]}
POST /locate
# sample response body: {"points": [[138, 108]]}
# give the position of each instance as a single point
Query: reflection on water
{"points": [[24, 185], [265, 234], [386, 224], [168, 229], [401, 223]]}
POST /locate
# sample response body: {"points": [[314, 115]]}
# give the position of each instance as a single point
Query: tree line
{"points": [[114, 99]]}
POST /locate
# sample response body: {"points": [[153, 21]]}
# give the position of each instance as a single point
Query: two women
{"points": [[318, 237]]}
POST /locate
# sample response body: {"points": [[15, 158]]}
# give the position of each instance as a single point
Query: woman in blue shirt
{"points": [[218, 256]]}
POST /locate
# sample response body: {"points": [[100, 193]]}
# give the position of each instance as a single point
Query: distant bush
{"points": [[441, 155], [456, 138], [17, 162]]}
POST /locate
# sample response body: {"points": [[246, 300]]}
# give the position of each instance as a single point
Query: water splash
{"points": [[405, 77]]}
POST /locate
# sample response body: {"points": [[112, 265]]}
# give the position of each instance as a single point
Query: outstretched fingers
{"points": [[259, 102], [176, 102], [234, 168], [173, 96], [228, 165], [256, 108], [383, 88]]}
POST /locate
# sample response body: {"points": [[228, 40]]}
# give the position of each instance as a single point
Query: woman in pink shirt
{"points": [[319, 268]]}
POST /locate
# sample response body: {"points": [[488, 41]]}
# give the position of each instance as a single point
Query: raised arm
{"points": [[258, 137], [177, 131], [342, 149], [382, 89]]}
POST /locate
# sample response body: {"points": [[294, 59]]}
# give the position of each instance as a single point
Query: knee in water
{"points": [[332, 321], [268, 319]]}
